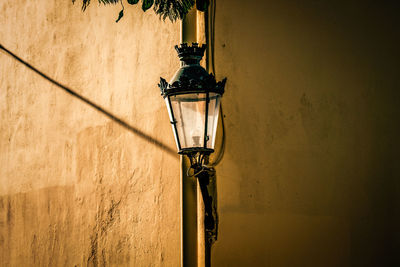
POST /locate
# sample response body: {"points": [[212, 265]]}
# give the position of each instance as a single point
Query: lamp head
{"points": [[192, 97]]}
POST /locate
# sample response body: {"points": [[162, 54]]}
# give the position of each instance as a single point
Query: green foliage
{"points": [[172, 9], [147, 4]]}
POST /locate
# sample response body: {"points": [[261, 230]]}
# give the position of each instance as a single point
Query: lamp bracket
{"points": [[210, 210], [206, 177]]}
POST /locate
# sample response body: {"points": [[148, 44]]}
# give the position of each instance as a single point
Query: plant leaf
{"points": [[106, 2], [147, 4], [121, 14], [132, 2], [85, 3]]}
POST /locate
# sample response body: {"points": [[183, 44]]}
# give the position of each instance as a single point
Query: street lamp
{"points": [[193, 99]]}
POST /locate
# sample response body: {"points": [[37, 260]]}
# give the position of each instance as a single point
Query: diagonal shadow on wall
{"points": [[94, 105]]}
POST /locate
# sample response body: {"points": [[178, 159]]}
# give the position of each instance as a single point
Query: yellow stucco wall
{"points": [[309, 177], [76, 188]]}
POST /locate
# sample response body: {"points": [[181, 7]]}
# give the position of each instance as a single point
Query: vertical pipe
{"points": [[189, 216], [204, 251], [201, 249], [188, 184], [188, 27]]}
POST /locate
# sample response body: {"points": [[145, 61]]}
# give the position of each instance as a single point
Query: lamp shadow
{"points": [[108, 114]]}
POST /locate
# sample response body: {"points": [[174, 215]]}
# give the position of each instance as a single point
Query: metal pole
{"points": [[188, 184], [189, 217]]}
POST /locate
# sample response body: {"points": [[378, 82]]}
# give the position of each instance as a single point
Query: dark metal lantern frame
{"points": [[191, 78]]}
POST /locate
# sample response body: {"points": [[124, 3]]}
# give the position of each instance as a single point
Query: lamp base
{"points": [[194, 150]]}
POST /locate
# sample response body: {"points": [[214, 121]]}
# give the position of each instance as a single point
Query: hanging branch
{"points": [[172, 9]]}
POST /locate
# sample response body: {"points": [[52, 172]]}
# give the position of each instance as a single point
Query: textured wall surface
{"points": [[311, 174], [76, 188]]}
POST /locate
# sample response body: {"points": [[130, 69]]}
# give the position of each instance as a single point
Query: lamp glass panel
{"points": [[189, 113], [213, 111], [171, 119]]}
